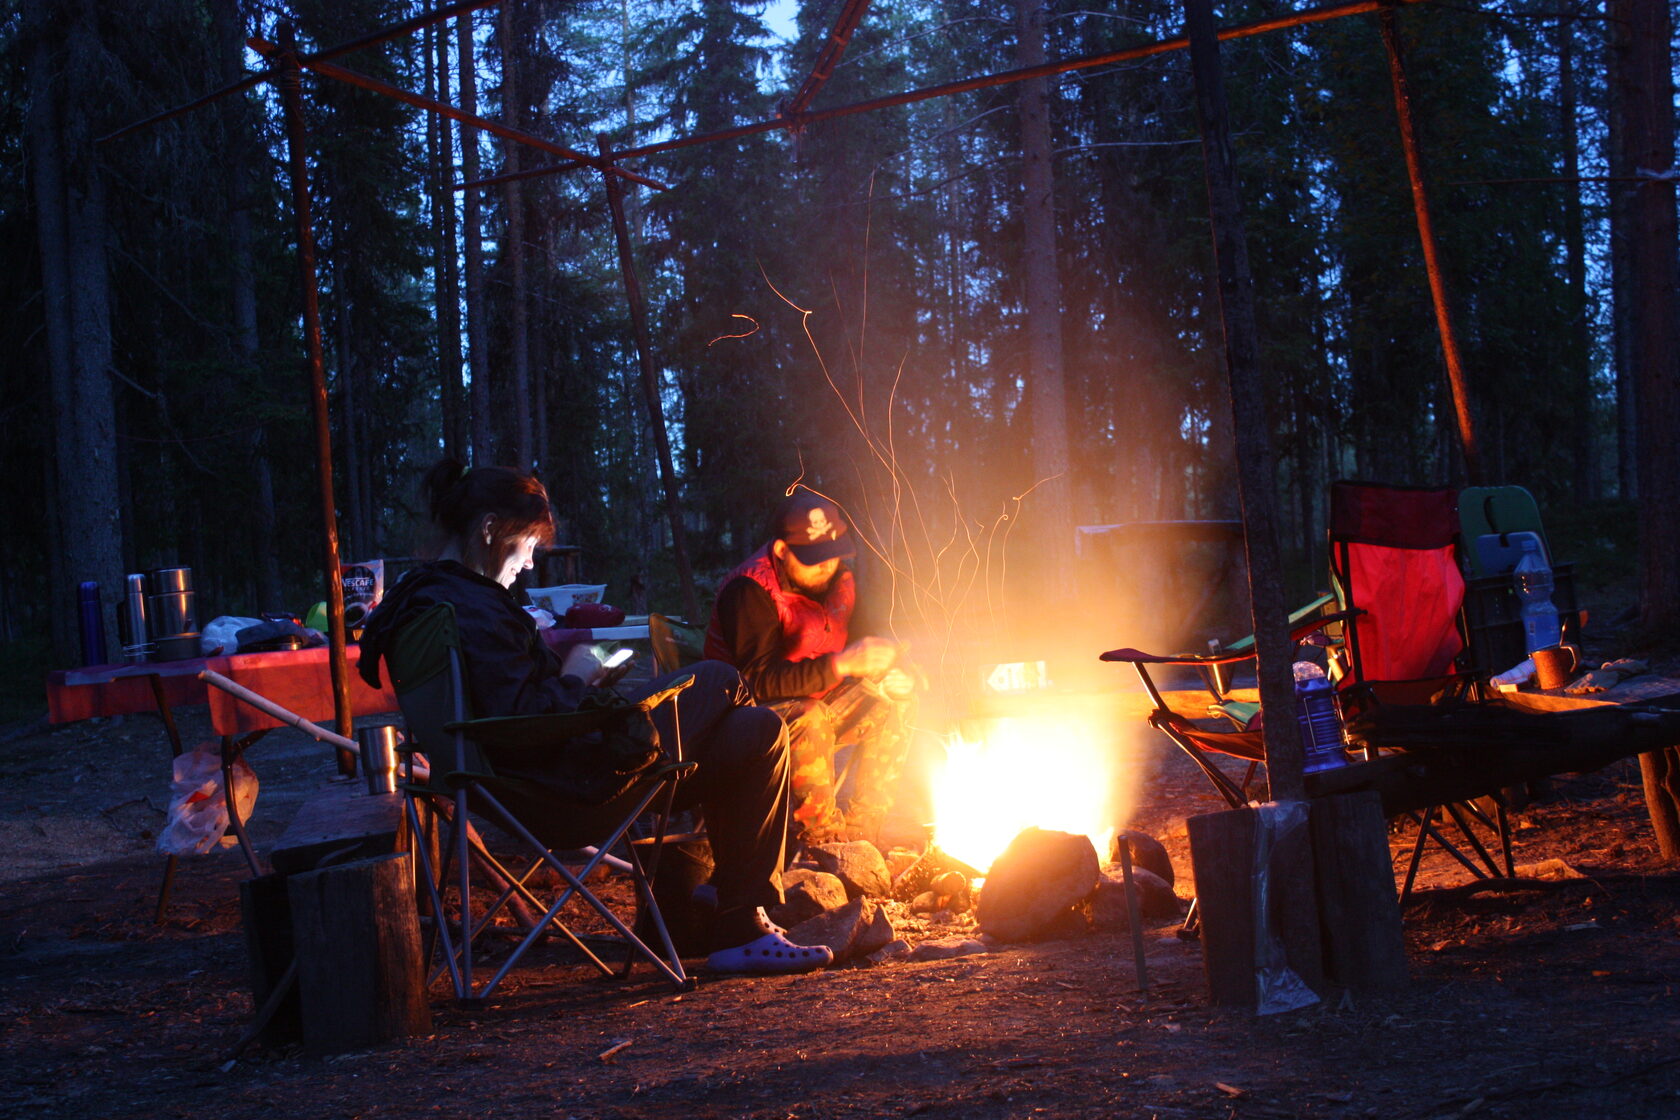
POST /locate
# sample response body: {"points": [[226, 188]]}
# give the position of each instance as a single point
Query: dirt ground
{"points": [[1548, 1002]]}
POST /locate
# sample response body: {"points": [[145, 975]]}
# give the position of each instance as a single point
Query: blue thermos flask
{"points": [[90, 617]]}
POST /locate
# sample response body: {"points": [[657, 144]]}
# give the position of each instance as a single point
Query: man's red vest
{"points": [[810, 628]]}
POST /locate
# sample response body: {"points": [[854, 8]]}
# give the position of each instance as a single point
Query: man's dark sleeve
{"points": [[753, 636]]}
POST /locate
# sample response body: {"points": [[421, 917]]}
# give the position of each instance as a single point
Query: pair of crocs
{"points": [[770, 952]]}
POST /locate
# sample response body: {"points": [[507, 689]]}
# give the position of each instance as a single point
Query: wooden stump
{"points": [[267, 913], [361, 978], [1242, 900], [341, 821], [1358, 908]]}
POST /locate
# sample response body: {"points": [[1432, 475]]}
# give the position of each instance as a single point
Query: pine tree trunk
{"points": [[1255, 473], [1051, 503], [1617, 158], [440, 161], [46, 165], [514, 244], [72, 233], [478, 357], [1642, 103], [240, 130], [1585, 480], [1643, 99]]}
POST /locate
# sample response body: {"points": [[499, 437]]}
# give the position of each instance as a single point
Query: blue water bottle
{"points": [[1320, 719], [90, 618]]}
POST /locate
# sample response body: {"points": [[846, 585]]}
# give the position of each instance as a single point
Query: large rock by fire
{"points": [[858, 864], [1156, 900], [807, 893], [1039, 878], [1147, 853]]}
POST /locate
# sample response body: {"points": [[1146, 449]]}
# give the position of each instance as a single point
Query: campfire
{"points": [[1050, 770]]}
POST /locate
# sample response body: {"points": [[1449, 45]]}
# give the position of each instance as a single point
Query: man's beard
{"points": [[814, 590]]}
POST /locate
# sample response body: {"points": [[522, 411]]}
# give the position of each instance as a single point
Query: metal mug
{"points": [[171, 613], [1555, 666], [164, 581], [379, 757]]}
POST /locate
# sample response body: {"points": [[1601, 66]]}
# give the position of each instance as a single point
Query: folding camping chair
{"points": [[1394, 641], [426, 669], [676, 644]]}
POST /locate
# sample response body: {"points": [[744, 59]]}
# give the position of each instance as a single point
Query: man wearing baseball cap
{"points": [[783, 618]]}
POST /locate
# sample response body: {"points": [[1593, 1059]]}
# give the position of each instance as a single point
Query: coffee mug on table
{"points": [[1555, 666]]}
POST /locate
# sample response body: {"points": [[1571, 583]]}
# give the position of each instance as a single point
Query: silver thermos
{"points": [[136, 635]]}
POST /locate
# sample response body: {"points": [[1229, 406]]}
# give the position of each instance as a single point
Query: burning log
{"points": [[1036, 883], [920, 877]]}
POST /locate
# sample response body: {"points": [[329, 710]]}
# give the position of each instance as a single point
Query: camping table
{"points": [[1632, 691], [295, 679], [300, 680]]}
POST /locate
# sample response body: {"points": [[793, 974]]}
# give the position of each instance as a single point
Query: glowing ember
{"points": [[1052, 772]]}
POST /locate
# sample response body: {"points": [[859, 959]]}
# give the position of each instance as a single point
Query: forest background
{"points": [[847, 304]]}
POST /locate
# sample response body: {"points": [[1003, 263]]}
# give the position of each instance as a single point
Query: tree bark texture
{"points": [[1255, 472], [446, 262], [650, 383], [1046, 392], [472, 232], [1642, 103], [1643, 99], [66, 74], [1575, 269], [1617, 158], [513, 243], [244, 156]]}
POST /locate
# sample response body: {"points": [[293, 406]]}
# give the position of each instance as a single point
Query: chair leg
{"points": [[1504, 826], [672, 970], [463, 869], [1417, 853], [1249, 777], [1474, 841], [435, 877]]}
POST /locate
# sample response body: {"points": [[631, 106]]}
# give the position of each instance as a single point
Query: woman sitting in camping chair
{"points": [[489, 521]]}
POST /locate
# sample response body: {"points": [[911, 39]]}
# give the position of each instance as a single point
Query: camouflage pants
{"points": [[877, 729]]}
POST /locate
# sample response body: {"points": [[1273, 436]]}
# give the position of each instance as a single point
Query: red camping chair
{"points": [[1394, 563], [1394, 640]]}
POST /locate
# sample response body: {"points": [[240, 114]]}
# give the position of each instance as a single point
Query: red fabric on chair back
{"points": [[1394, 516], [1391, 554]]}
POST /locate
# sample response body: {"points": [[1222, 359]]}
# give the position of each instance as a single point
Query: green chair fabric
{"points": [[425, 663], [1492, 522]]}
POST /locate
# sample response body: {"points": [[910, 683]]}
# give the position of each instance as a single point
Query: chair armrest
{"points": [[1227, 656], [649, 703], [1301, 620], [535, 730], [1138, 657]]}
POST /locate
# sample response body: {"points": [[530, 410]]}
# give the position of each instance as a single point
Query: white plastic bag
{"points": [[222, 634], [198, 818]]}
